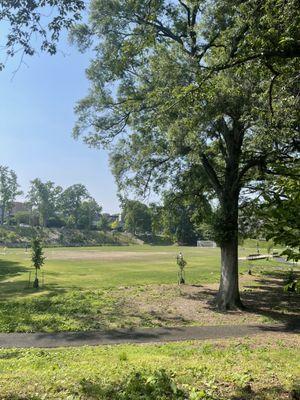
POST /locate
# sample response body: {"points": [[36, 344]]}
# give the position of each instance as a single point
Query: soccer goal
{"points": [[206, 243]]}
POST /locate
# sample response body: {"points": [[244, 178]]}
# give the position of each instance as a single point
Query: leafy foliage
{"points": [[9, 190], [291, 284], [26, 19], [279, 210], [43, 197], [37, 256], [139, 385], [137, 217]]}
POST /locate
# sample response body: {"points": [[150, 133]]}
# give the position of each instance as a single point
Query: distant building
{"points": [[112, 217], [18, 206]]}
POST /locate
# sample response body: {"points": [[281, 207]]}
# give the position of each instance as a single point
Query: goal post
{"points": [[206, 243]]}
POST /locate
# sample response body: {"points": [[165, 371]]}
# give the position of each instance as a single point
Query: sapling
{"points": [[181, 263], [37, 258]]}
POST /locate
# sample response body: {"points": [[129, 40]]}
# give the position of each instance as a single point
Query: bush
{"points": [[55, 222], [138, 386], [291, 284]]}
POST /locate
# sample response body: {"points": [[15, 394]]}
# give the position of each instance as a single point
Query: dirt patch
{"points": [[100, 255], [169, 305]]}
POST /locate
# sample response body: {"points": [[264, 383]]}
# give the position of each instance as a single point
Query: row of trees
{"points": [[172, 220], [73, 206], [272, 217], [47, 204]]}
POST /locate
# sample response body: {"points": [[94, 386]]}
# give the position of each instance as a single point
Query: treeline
{"points": [[47, 204], [174, 220]]}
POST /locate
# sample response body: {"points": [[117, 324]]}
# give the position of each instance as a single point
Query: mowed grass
{"points": [[86, 288], [107, 267], [263, 367]]}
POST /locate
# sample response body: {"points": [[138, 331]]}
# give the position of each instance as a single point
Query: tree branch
{"points": [[254, 162], [210, 171]]}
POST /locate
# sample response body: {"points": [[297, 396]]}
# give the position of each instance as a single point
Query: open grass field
{"points": [[132, 286], [107, 267], [135, 286], [265, 367]]}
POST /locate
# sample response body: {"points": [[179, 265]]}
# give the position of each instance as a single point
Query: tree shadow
{"points": [[21, 397], [10, 269], [266, 393], [266, 298], [138, 389], [10, 354]]}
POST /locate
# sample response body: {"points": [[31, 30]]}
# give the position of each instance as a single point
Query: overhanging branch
{"points": [[210, 171]]}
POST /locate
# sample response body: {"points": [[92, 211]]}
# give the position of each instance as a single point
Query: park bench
{"points": [[256, 256]]}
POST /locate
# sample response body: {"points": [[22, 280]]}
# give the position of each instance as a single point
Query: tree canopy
{"points": [[136, 216], [44, 197], [9, 190], [25, 20]]}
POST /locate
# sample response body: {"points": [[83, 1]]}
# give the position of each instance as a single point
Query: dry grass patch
{"points": [[169, 305]]}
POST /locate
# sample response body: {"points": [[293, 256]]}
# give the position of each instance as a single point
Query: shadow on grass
{"points": [[21, 397], [269, 300], [159, 385], [266, 393], [266, 298], [10, 269], [135, 388], [55, 309], [10, 354]]}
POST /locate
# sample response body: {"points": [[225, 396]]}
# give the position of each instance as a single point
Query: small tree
{"points": [[37, 258], [181, 264]]}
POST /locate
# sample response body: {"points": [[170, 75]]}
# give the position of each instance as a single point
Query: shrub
{"points": [[138, 386], [291, 284]]}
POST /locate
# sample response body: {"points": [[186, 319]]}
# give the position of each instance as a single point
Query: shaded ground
{"points": [[262, 296]]}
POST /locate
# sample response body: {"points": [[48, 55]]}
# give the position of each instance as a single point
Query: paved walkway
{"points": [[142, 335]]}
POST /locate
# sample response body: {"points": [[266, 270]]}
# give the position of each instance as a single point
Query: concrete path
{"points": [[142, 335]]}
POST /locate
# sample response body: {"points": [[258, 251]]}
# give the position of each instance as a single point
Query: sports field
{"points": [[130, 286]]}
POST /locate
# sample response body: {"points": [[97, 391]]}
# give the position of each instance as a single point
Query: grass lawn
{"points": [[265, 367], [111, 287], [108, 267]]}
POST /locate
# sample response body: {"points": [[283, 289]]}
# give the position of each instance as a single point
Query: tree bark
{"points": [[228, 297], [227, 189]]}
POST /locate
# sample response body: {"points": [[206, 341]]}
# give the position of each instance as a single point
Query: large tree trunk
{"points": [[228, 191], [228, 297]]}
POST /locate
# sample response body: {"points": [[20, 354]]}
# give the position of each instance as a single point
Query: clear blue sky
{"points": [[36, 121]]}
